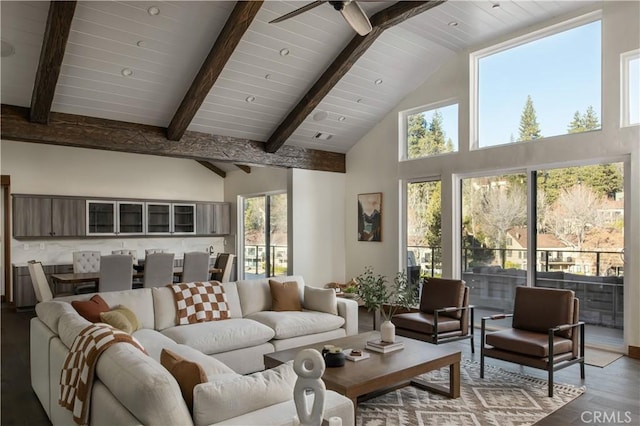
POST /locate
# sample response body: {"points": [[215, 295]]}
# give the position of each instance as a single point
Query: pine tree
{"points": [[576, 124], [416, 131], [529, 128], [590, 120]]}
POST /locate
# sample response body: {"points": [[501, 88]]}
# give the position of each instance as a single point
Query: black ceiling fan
{"points": [[350, 10]]}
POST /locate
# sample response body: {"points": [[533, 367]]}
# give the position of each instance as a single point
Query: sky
{"points": [[561, 72]]}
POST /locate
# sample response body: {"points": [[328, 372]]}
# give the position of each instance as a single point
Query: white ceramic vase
{"points": [[387, 332]]}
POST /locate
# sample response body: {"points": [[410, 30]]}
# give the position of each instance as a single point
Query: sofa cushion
{"points": [[255, 295], [218, 401], [200, 302], [92, 308], [154, 342], [164, 305], [321, 300], [284, 296], [51, 311], [143, 386], [220, 336], [69, 326], [187, 373], [527, 342], [292, 324], [139, 301]]}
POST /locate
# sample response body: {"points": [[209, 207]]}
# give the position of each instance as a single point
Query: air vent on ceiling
{"points": [[323, 136]]}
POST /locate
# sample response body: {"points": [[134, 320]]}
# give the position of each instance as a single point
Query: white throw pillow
{"points": [[219, 401], [320, 299]]}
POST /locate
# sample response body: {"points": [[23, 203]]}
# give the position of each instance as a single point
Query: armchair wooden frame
{"points": [[551, 364]]}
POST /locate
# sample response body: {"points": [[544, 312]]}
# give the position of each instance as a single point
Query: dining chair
{"points": [[116, 272], [158, 269], [195, 267], [153, 250], [132, 253], [224, 261], [83, 262], [39, 280]]}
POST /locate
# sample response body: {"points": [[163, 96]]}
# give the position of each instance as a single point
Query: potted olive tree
{"points": [[379, 296]]}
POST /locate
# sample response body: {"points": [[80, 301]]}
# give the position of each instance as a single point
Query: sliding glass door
{"points": [[264, 239]]}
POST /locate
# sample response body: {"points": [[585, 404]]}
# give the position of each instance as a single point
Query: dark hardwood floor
{"points": [[612, 395]]}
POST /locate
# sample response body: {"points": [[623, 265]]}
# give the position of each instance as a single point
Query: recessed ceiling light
{"points": [[453, 24], [127, 72], [323, 136], [320, 115], [342, 118], [250, 98], [284, 52], [153, 11], [359, 100], [378, 82], [495, 6], [141, 43], [7, 49], [267, 77]]}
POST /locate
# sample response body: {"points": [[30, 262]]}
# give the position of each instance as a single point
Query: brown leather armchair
{"points": [[545, 332], [444, 314]]}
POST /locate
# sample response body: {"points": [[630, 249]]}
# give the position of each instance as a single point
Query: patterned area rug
{"points": [[502, 398]]}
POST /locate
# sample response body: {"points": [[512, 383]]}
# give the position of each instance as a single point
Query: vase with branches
{"points": [[379, 296]]}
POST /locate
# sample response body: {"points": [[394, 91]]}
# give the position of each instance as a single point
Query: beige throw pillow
{"points": [[215, 402], [188, 374], [118, 320], [321, 300], [284, 296]]}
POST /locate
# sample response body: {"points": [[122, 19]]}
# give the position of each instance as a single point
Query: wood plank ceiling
{"points": [[124, 75]]}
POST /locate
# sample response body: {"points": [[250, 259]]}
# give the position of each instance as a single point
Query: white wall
{"points": [[57, 170], [373, 166], [317, 231]]}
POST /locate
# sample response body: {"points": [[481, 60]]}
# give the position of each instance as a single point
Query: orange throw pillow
{"points": [[188, 374], [285, 296], [92, 308]]}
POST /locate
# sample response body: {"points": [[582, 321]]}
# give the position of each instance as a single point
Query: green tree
{"points": [[584, 122], [434, 216], [416, 132], [529, 128]]}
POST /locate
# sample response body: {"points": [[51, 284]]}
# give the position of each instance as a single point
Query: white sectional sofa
{"points": [[132, 388]]}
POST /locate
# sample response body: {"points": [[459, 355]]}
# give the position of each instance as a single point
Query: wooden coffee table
{"points": [[380, 372]]}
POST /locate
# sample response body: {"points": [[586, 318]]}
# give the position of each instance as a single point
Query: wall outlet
{"points": [[124, 244], [41, 246], [25, 246]]}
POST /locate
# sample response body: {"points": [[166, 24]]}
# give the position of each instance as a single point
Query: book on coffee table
{"points": [[383, 347], [347, 355]]}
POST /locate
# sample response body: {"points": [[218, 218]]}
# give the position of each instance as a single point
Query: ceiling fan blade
{"points": [[355, 16], [298, 11]]}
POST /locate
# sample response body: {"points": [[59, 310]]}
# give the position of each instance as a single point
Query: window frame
{"points": [[403, 116], [476, 56], [625, 113]]}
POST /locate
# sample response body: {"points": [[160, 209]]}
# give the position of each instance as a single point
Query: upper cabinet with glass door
{"points": [[159, 218], [184, 218], [131, 218], [101, 217]]}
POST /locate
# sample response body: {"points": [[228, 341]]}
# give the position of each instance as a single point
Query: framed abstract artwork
{"points": [[370, 217]]}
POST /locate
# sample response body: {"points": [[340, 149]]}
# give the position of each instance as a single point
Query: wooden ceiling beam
{"points": [[213, 168], [381, 21], [54, 44], [235, 27], [97, 133], [244, 168]]}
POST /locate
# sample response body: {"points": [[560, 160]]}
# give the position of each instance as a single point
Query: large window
{"points": [[546, 84], [429, 131], [424, 229]]}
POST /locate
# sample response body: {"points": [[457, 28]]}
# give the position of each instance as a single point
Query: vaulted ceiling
{"points": [[216, 82]]}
